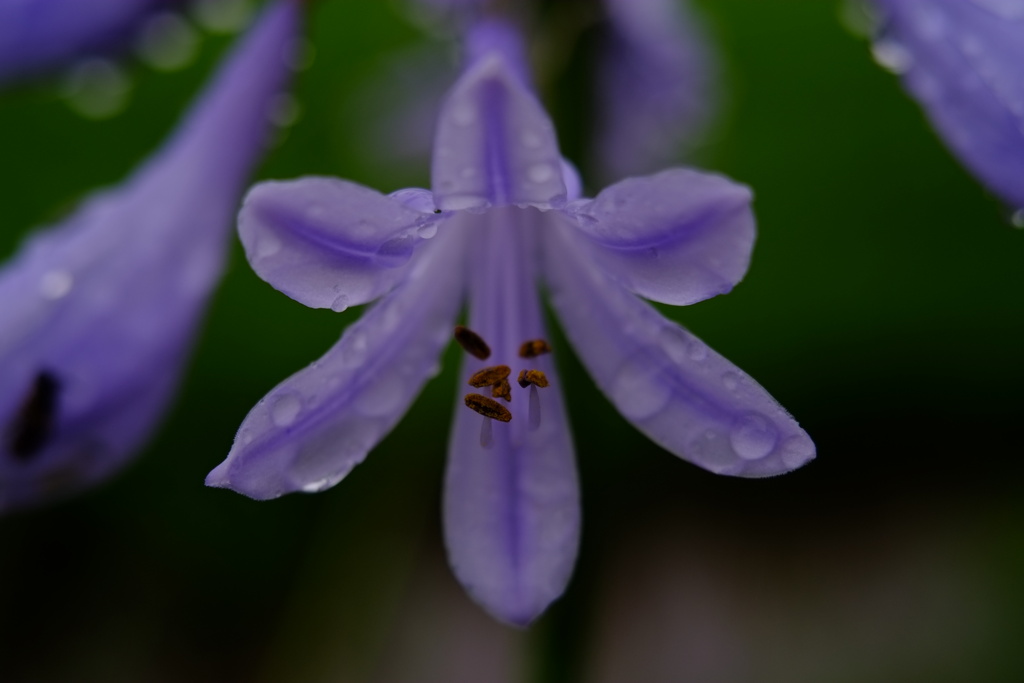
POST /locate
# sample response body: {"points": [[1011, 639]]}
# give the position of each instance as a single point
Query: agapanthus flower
{"points": [[964, 62], [654, 85], [97, 313], [504, 216], [41, 35]]}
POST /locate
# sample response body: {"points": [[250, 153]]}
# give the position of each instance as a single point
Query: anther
{"points": [[472, 343], [488, 407], [534, 348], [502, 390], [490, 376], [33, 426], [533, 377]]}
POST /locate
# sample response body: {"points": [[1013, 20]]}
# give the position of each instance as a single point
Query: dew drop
{"points": [[531, 139], [267, 245], [797, 450], [753, 437], [638, 392], [427, 231], [285, 410], [892, 56], [317, 486], [540, 173], [383, 396], [464, 114], [97, 89], [355, 348], [731, 381], [1017, 219], [222, 16], [340, 303], [245, 436], [56, 284]]}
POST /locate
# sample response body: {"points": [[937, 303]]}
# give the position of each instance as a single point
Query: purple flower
{"points": [[964, 61], [39, 35], [654, 87], [503, 218], [98, 312]]}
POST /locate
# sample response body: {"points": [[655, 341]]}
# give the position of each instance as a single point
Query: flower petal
{"points": [[97, 313], [677, 237], [318, 424], [666, 382], [37, 35], [511, 509], [329, 243], [962, 60], [495, 145], [654, 86]]}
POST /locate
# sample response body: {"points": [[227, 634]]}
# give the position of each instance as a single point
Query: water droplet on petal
{"points": [[317, 486], [797, 450], [892, 56], [753, 437], [638, 391], [540, 173], [56, 284], [383, 396], [245, 436], [267, 245], [427, 231], [355, 348], [731, 381], [1017, 219], [340, 303], [285, 410]]}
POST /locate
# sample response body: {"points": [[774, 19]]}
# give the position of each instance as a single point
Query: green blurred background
{"points": [[883, 309]]}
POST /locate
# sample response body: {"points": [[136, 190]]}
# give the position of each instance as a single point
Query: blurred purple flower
{"points": [[654, 87], [964, 62], [504, 215], [97, 313], [41, 35]]}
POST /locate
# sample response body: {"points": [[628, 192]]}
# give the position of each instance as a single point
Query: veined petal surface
{"points": [[678, 237], [962, 59], [511, 508], [329, 243], [97, 313], [318, 424], [666, 382], [495, 144]]}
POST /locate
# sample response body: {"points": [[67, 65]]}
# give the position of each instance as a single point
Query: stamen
{"points": [[33, 426], [496, 374], [472, 343], [534, 348], [486, 433], [534, 414], [502, 390], [488, 407], [532, 377]]}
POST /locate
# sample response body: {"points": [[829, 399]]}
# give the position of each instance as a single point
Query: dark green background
{"points": [[883, 309]]}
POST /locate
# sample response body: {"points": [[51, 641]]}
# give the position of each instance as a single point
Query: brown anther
{"points": [[490, 376], [502, 390], [534, 377], [472, 343], [488, 407], [534, 348]]}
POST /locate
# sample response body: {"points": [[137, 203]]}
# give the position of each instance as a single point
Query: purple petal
{"points": [[669, 384], [962, 59], [654, 86], [318, 424], [495, 145], [678, 237], [511, 510], [40, 35], [97, 313], [329, 243]]}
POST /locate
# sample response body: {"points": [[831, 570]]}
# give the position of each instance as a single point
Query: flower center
{"points": [[496, 377]]}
